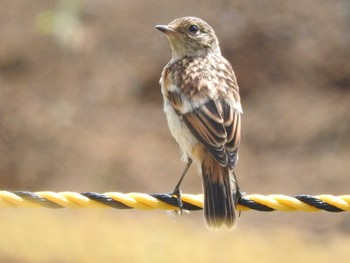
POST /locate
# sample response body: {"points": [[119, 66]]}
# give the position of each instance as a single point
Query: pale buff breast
{"points": [[180, 132], [189, 145]]}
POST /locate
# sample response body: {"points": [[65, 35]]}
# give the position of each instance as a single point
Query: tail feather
{"points": [[219, 206]]}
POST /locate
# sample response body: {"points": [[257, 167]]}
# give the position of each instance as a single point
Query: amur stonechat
{"points": [[203, 109]]}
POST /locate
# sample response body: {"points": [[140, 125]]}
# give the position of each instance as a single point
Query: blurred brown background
{"points": [[81, 108]]}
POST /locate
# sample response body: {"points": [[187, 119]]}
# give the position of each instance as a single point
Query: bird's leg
{"points": [[177, 191], [237, 195]]}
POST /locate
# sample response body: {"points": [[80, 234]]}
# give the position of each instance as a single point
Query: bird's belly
{"points": [[180, 132]]}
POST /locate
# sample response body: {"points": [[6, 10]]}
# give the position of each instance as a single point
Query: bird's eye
{"points": [[193, 29]]}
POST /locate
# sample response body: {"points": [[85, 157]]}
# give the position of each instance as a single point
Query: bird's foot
{"points": [[177, 194]]}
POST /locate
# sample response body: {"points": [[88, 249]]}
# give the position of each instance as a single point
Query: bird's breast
{"points": [[179, 130]]}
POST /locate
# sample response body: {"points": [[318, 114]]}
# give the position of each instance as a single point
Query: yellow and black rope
{"points": [[165, 201]]}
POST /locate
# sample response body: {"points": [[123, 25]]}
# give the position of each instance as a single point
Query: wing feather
{"points": [[215, 124], [207, 125]]}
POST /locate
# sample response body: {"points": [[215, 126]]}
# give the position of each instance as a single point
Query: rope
{"points": [[265, 203]]}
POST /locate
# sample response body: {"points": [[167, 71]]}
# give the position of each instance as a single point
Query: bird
{"points": [[203, 110]]}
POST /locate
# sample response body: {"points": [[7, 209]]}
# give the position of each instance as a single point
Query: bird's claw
{"points": [[177, 194]]}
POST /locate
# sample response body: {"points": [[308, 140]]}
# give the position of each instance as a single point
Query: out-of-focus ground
{"points": [[59, 236], [81, 109]]}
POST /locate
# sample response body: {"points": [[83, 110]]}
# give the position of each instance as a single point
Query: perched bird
{"points": [[203, 109]]}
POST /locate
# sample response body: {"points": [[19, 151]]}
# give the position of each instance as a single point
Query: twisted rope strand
{"points": [[265, 203]]}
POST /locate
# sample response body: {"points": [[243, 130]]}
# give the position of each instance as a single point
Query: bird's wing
{"points": [[214, 123], [232, 124]]}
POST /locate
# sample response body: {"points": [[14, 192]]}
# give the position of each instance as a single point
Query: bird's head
{"points": [[190, 36]]}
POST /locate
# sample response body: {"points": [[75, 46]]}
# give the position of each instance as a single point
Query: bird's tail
{"points": [[219, 206]]}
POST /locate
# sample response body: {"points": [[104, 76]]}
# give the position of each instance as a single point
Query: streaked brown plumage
{"points": [[202, 104]]}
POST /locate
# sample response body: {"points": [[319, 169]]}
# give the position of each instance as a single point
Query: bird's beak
{"points": [[165, 29]]}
